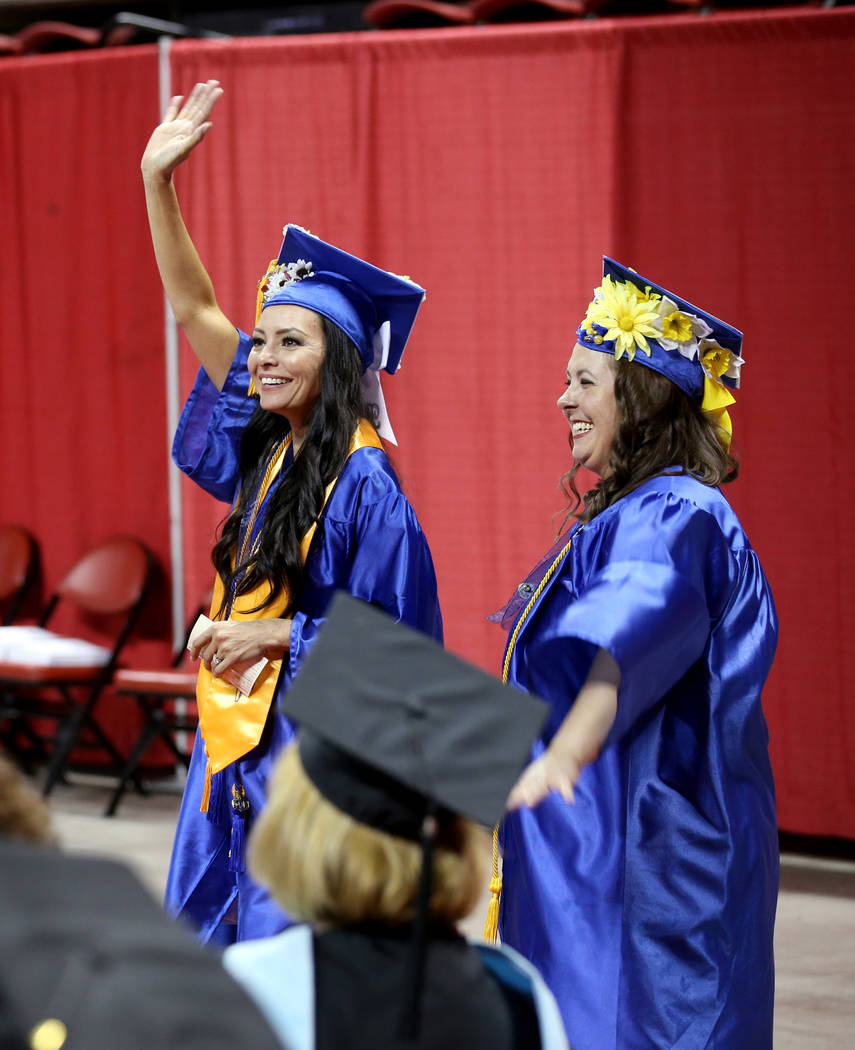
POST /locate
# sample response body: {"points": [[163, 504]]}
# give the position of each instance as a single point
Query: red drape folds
{"points": [[495, 165], [82, 414]]}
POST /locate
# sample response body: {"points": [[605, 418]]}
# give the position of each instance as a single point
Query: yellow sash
{"points": [[231, 722]]}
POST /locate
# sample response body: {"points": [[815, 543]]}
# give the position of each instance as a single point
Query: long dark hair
{"points": [[659, 427], [298, 499]]}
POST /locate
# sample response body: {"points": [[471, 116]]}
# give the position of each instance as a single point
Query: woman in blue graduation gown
{"points": [[648, 903], [283, 424]]}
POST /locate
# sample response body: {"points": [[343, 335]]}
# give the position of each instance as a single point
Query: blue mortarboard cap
{"points": [[376, 309], [634, 317]]}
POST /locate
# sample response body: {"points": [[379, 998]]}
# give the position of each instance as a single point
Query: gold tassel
{"points": [[206, 790], [259, 302], [491, 925]]}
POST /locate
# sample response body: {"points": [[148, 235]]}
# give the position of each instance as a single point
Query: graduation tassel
{"points": [[259, 303], [216, 798], [204, 805], [240, 807], [491, 925]]}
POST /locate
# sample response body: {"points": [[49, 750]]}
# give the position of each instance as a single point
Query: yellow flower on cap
{"points": [[718, 361], [629, 316], [677, 326]]}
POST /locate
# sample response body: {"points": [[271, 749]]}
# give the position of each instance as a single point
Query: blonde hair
{"points": [[321, 865]]}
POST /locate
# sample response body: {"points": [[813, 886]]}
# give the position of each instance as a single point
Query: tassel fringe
{"points": [[491, 925], [240, 808], [206, 790], [236, 846], [259, 302], [216, 801]]}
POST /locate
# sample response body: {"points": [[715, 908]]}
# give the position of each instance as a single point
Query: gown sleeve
{"points": [[207, 441], [372, 547], [654, 581]]}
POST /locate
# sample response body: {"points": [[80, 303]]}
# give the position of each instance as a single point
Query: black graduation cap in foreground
{"points": [[88, 961], [394, 730], [433, 730]]}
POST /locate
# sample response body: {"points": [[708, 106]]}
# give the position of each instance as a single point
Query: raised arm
{"points": [[213, 337]]}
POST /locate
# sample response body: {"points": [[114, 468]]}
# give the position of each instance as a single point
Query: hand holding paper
{"points": [[233, 650]]}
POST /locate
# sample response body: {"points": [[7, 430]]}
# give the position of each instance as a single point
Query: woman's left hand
{"points": [[230, 642], [550, 772]]}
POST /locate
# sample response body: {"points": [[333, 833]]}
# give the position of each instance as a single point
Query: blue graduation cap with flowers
{"points": [[632, 317], [374, 308]]}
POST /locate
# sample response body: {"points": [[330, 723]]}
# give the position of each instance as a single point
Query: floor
{"points": [[815, 933]]}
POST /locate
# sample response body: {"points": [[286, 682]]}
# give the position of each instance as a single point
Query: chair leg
{"points": [[12, 735], [66, 737], [169, 738], [149, 733], [68, 733]]}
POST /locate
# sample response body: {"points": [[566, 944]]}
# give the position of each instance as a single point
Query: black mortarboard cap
{"points": [[89, 960], [420, 729], [394, 730]]}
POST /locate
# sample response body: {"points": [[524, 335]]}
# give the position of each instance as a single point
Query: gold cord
{"points": [[491, 926], [274, 460]]}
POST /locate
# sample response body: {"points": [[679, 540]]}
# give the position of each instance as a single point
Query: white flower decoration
{"points": [[288, 273], [680, 329], [718, 361]]}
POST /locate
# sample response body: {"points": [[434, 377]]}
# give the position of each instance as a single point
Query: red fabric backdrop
{"points": [[496, 165], [82, 408]]}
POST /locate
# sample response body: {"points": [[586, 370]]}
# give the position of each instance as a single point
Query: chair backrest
{"points": [[18, 565], [110, 578]]}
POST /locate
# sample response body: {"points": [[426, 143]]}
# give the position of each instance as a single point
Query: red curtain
{"points": [[496, 165], [82, 412]]}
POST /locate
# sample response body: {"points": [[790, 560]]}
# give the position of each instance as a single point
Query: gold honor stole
{"points": [[231, 723]]}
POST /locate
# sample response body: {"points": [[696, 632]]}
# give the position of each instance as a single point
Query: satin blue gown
{"points": [[368, 543], [649, 904]]}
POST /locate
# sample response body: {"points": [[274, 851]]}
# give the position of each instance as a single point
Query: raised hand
{"points": [[185, 124]]}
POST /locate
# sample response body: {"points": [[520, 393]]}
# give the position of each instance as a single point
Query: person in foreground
{"points": [[280, 424], [649, 903], [364, 839], [89, 960]]}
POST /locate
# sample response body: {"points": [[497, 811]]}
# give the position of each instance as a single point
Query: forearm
{"points": [[186, 281], [580, 736], [184, 278], [577, 741]]}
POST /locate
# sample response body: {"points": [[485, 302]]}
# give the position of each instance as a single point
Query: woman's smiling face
{"points": [[285, 362], [589, 406]]}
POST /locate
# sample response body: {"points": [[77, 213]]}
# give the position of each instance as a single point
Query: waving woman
{"points": [[283, 424]]}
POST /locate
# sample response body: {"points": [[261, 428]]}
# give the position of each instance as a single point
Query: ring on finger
{"points": [[217, 658]]}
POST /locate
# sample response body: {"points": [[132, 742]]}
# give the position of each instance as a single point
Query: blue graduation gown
{"points": [[370, 545], [649, 904]]}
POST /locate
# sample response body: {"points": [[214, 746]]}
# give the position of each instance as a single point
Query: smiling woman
{"points": [[286, 426], [589, 406], [288, 345], [649, 903]]}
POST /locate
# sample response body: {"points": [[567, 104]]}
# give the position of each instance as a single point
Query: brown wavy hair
{"points": [[659, 427]]}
